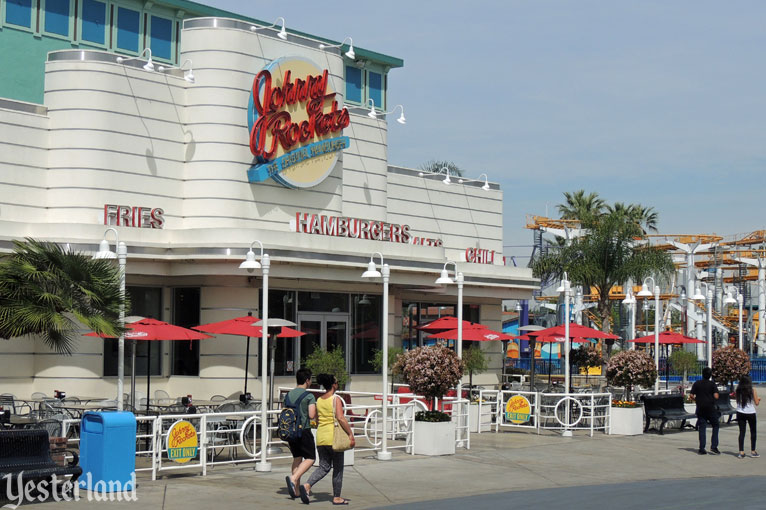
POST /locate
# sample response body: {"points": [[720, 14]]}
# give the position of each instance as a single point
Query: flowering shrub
{"points": [[430, 371], [630, 404], [729, 364], [629, 369]]}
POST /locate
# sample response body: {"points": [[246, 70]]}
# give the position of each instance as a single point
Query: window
{"points": [[376, 88], [366, 321], [282, 306], [353, 84], [19, 13], [186, 313], [128, 22], [57, 17], [93, 21], [144, 302], [322, 302], [161, 37]]}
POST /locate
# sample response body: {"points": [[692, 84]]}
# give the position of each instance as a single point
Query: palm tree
{"points": [[579, 206], [645, 217], [607, 256], [435, 166], [46, 290]]}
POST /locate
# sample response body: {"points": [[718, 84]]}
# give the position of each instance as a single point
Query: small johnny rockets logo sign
{"points": [[295, 124], [517, 410], [182, 442]]}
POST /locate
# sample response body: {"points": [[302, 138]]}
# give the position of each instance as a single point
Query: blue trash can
{"points": [[108, 451]]}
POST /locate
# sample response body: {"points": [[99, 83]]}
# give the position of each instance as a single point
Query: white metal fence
{"points": [[557, 411], [231, 438]]}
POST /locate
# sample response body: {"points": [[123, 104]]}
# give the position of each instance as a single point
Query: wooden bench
{"points": [[665, 408], [26, 453]]}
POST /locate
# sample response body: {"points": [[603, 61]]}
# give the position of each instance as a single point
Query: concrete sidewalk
{"points": [[508, 461]]}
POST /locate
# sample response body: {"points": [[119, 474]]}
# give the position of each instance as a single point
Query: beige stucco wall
{"points": [[118, 134]]}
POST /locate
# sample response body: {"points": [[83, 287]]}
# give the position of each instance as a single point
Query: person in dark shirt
{"points": [[705, 394], [303, 448]]}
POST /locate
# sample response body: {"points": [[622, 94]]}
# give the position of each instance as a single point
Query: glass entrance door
{"points": [[323, 330]]}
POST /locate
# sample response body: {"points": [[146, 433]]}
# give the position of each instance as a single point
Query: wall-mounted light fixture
{"points": [[188, 74], [443, 170], [282, 34], [374, 115], [350, 53], [149, 66]]}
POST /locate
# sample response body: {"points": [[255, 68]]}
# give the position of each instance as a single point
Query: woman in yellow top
{"points": [[329, 409]]}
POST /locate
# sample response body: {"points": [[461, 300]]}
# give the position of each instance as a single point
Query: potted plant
{"points": [[431, 372], [629, 369], [729, 364], [586, 357], [476, 362], [627, 418], [331, 362]]}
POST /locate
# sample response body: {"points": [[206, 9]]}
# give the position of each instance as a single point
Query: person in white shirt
{"points": [[747, 399]]}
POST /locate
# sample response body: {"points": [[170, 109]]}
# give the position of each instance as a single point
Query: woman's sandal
{"points": [[304, 494], [344, 502], [754, 455], [741, 456]]}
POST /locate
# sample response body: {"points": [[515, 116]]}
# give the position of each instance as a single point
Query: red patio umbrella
{"points": [[240, 326], [668, 337], [447, 322], [151, 330], [473, 334], [243, 326], [575, 331]]}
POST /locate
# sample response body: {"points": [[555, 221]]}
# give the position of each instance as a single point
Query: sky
{"points": [[652, 102]]}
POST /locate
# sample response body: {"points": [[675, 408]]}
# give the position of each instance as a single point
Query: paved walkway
{"points": [[496, 464]]}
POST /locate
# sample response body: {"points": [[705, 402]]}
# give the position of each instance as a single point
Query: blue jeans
{"points": [[702, 421]]}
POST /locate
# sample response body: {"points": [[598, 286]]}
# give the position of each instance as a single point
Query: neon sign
{"points": [[294, 122]]}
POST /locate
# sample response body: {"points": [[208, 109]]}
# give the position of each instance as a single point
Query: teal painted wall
{"points": [[23, 59]]}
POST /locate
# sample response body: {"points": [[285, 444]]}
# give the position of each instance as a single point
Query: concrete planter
{"points": [[348, 455], [473, 418], [691, 408], [434, 438], [627, 421]]}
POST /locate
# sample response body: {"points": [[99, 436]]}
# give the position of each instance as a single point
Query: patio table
{"points": [[21, 421]]}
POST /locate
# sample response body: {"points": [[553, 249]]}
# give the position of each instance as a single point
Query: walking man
{"points": [[705, 394], [302, 448]]}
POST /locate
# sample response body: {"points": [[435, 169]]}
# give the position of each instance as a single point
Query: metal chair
{"points": [[217, 398], [53, 425], [39, 395], [8, 401], [161, 395]]}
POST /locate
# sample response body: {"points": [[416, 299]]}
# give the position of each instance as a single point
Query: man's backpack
{"points": [[290, 425]]}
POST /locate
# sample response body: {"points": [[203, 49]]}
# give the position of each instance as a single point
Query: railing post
{"points": [[203, 440]]}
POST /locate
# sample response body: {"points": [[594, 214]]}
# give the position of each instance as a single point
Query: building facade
{"points": [[256, 135]]}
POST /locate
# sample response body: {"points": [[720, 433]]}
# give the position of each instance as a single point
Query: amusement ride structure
{"points": [[718, 287]]}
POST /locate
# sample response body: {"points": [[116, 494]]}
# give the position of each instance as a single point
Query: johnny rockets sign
{"points": [[294, 123]]}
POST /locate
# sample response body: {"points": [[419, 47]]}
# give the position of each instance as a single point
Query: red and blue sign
{"points": [[295, 124]]}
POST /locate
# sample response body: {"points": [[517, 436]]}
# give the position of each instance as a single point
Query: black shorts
{"points": [[303, 447]]}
